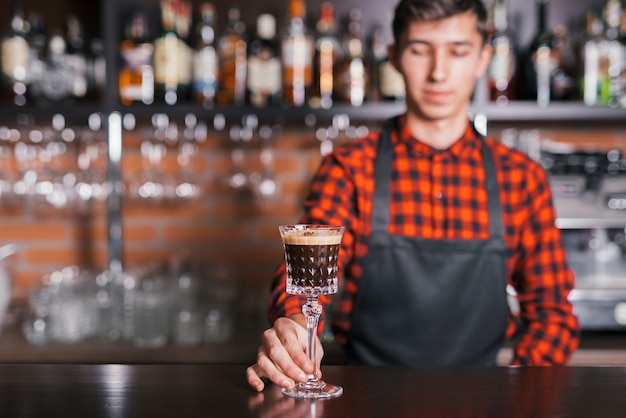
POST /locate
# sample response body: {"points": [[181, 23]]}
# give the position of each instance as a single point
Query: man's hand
{"points": [[282, 356]]}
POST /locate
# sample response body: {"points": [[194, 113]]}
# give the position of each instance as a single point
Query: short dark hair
{"points": [[408, 11]]}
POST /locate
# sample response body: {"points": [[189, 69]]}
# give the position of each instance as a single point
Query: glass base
{"points": [[314, 390]]}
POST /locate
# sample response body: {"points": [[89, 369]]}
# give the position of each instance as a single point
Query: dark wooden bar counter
{"points": [[193, 390]]}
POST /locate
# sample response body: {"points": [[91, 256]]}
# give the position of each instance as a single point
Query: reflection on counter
{"points": [[147, 307]]}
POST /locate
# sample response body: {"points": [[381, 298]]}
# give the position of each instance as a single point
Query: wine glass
{"points": [[311, 255]]}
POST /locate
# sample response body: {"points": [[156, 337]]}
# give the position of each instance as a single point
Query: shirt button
{"points": [[441, 195]]}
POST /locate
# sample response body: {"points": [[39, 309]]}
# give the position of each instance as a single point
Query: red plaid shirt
{"points": [[342, 194]]}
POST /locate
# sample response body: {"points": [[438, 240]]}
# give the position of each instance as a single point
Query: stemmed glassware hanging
{"points": [[186, 184], [264, 182]]}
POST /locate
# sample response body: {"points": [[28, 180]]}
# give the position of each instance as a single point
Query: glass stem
{"points": [[312, 311]]}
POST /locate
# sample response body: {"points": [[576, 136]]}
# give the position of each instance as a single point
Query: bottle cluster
{"points": [[43, 67], [193, 60], [193, 55], [588, 65]]}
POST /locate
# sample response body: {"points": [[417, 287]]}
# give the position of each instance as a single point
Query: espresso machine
{"points": [[589, 193]]}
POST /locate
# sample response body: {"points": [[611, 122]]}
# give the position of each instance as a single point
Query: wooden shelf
{"points": [[557, 113]]}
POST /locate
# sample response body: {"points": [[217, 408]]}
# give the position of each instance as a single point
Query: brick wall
{"points": [[224, 227]]}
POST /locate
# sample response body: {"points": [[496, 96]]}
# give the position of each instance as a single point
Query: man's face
{"points": [[440, 62]]}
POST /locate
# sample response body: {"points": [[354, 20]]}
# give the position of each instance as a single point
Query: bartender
{"points": [[439, 220]]}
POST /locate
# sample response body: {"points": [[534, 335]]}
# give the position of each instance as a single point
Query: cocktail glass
{"points": [[311, 255]]}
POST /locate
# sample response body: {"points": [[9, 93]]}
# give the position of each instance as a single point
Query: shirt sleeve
{"points": [[330, 202], [550, 331]]}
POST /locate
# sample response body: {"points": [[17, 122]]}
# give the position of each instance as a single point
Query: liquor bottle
{"points": [[136, 76], [204, 84], [622, 41], [352, 75], [96, 71], [37, 36], [387, 84], [297, 54], [611, 85], [327, 53], [172, 55], [56, 82], [184, 51], [165, 56], [501, 72], [232, 56], [541, 61], [596, 61], [37, 41], [591, 57], [14, 60], [76, 56], [563, 74], [264, 65]]}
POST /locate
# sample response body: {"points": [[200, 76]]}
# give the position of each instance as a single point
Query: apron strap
{"points": [[382, 178]]}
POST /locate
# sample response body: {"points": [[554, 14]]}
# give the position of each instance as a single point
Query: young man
{"points": [[438, 221]]}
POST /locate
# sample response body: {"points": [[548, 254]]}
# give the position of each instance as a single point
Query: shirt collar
{"points": [[463, 147]]}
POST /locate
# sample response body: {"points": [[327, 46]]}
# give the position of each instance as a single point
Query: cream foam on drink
{"points": [[311, 237], [311, 256]]}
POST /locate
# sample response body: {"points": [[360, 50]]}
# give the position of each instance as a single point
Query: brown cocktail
{"points": [[311, 257]]}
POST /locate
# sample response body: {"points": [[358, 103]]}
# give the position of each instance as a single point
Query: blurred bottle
{"points": [[14, 59], [501, 72], [386, 82], [36, 36], [563, 75], [184, 51], [124, 289], [602, 56], [205, 57], [165, 56], [590, 57], [172, 54], [76, 56], [185, 310], [136, 77], [297, 54], [622, 41], [611, 89], [151, 311], [264, 65], [541, 62], [96, 70], [37, 40], [327, 54], [232, 60], [56, 84], [352, 72]]}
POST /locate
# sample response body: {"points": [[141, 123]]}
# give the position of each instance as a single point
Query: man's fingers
{"points": [[254, 378], [292, 338], [283, 358], [265, 367], [276, 361]]}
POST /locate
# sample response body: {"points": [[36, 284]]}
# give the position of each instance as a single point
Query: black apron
{"points": [[434, 302]]}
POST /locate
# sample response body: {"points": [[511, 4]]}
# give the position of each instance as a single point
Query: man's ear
{"points": [[394, 56], [485, 58]]}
